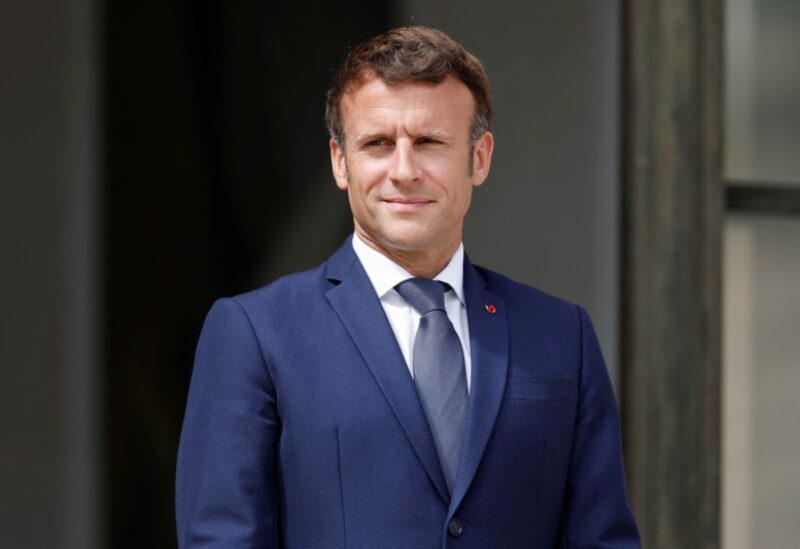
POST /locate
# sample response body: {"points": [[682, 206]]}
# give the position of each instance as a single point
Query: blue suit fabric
{"points": [[303, 427]]}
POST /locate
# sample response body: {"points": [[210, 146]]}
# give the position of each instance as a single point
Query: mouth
{"points": [[406, 205]]}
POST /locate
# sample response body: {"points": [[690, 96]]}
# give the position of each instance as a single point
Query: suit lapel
{"points": [[360, 310], [489, 349]]}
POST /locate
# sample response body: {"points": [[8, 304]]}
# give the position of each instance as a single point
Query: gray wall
{"points": [[548, 213], [47, 337]]}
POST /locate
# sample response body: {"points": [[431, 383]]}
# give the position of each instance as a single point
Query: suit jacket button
{"points": [[455, 528]]}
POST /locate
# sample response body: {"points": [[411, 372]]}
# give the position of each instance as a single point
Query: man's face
{"points": [[406, 167]]}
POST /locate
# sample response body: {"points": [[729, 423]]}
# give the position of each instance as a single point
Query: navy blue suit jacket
{"points": [[303, 427]]}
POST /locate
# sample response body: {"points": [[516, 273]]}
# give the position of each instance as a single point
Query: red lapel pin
{"points": [[491, 308]]}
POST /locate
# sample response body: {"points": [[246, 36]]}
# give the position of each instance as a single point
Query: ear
{"points": [[482, 158], [339, 165]]}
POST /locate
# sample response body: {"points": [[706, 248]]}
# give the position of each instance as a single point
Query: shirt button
{"points": [[455, 528]]}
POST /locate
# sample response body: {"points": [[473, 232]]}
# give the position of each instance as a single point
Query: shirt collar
{"points": [[385, 274]]}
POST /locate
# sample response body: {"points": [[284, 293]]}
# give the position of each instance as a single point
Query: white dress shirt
{"points": [[385, 274]]}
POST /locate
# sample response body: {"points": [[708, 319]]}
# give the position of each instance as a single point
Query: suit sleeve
{"points": [[597, 510], [226, 472]]}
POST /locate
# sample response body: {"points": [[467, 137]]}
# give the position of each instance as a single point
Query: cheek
{"points": [[451, 171], [366, 175], [462, 197]]}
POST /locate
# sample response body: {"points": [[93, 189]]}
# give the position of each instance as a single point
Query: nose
{"points": [[404, 167]]}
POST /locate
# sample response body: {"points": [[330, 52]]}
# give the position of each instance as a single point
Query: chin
{"points": [[406, 242], [403, 235]]}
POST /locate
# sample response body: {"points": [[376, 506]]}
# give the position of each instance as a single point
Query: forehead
{"points": [[448, 105]]}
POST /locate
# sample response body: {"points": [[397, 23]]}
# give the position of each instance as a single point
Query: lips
{"points": [[406, 205]]}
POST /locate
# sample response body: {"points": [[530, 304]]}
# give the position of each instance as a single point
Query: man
{"points": [[398, 396]]}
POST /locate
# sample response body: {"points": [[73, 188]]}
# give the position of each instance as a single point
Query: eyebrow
{"points": [[437, 134], [434, 134]]}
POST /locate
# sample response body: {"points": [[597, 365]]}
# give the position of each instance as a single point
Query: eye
{"points": [[428, 141], [376, 143]]}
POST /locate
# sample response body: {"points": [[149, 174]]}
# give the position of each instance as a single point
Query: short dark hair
{"points": [[412, 53]]}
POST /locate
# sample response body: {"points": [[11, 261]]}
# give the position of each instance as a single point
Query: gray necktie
{"points": [[438, 363]]}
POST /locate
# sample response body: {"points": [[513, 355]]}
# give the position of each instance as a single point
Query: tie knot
{"points": [[424, 294]]}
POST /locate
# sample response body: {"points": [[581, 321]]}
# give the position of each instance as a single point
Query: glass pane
{"points": [[761, 383], [763, 91]]}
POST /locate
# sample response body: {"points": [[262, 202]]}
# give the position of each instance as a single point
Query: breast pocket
{"points": [[543, 388]]}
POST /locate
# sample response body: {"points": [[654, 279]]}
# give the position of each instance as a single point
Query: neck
{"points": [[421, 263]]}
